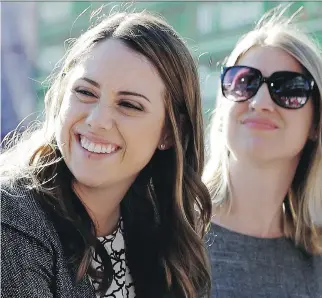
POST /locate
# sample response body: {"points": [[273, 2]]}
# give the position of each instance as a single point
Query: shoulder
{"points": [[21, 210]]}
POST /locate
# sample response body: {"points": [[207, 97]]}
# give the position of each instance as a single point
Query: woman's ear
{"points": [[166, 140], [313, 137], [313, 134]]}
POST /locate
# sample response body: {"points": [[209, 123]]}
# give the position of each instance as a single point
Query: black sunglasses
{"points": [[290, 90]]}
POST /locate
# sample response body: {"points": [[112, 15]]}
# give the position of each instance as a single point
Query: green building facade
{"points": [[211, 30]]}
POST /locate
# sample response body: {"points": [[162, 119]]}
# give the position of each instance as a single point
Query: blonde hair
{"points": [[303, 205]]}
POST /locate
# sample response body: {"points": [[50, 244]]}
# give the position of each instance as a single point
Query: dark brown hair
{"points": [[168, 208]]}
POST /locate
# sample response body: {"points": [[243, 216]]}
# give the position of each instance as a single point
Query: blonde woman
{"points": [[265, 167], [101, 200]]}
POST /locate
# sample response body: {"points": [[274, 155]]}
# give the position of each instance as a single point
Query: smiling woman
{"points": [[114, 102], [106, 196], [265, 166]]}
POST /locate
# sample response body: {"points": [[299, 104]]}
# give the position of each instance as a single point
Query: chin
{"points": [[88, 181], [253, 154]]}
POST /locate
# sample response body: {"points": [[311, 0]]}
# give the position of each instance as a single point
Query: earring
{"points": [[162, 146], [314, 137]]}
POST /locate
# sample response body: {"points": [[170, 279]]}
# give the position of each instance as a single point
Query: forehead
{"points": [[111, 63], [269, 59]]}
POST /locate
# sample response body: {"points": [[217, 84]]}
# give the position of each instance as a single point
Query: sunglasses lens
{"points": [[290, 90], [240, 83]]}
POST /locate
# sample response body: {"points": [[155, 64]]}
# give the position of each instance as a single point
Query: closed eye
{"points": [[85, 95], [84, 92], [129, 105]]}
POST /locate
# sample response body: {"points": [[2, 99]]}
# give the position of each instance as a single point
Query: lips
{"points": [[97, 145], [260, 123]]}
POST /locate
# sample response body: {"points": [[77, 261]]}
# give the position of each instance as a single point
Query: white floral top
{"points": [[122, 285]]}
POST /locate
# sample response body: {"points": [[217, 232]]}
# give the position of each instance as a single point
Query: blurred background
{"points": [[34, 34]]}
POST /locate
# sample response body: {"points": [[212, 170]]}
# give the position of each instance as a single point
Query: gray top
{"points": [[33, 260], [245, 266]]}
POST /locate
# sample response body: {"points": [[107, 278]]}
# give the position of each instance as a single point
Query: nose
{"points": [[101, 117], [262, 101]]}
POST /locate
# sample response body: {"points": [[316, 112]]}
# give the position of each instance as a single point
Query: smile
{"points": [[97, 147]]}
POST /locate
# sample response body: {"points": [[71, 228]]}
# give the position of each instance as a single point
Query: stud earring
{"points": [[162, 146]]}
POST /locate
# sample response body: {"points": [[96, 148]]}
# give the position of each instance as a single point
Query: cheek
{"points": [[142, 139], [302, 118], [66, 118], [297, 128], [300, 124], [232, 115], [143, 134], [69, 108]]}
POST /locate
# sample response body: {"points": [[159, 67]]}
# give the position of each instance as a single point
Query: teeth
{"points": [[91, 147], [97, 148], [109, 148], [82, 141]]}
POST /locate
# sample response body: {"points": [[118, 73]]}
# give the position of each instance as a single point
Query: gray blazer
{"points": [[33, 263]]}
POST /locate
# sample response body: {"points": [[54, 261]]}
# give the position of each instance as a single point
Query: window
{"points": [[53, 12], [209, 82], [233, 15], [205, 18], [48, 58]]}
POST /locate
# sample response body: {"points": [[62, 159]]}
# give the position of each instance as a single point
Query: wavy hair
{"points": [[303, 204], [167, 209]]}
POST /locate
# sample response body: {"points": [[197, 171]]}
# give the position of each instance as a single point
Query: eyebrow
{"points": [[133, 94], [91, 82], [97, 85]]}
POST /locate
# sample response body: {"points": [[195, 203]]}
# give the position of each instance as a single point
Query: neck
{"points": [[258, 192], [102, 204]]}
